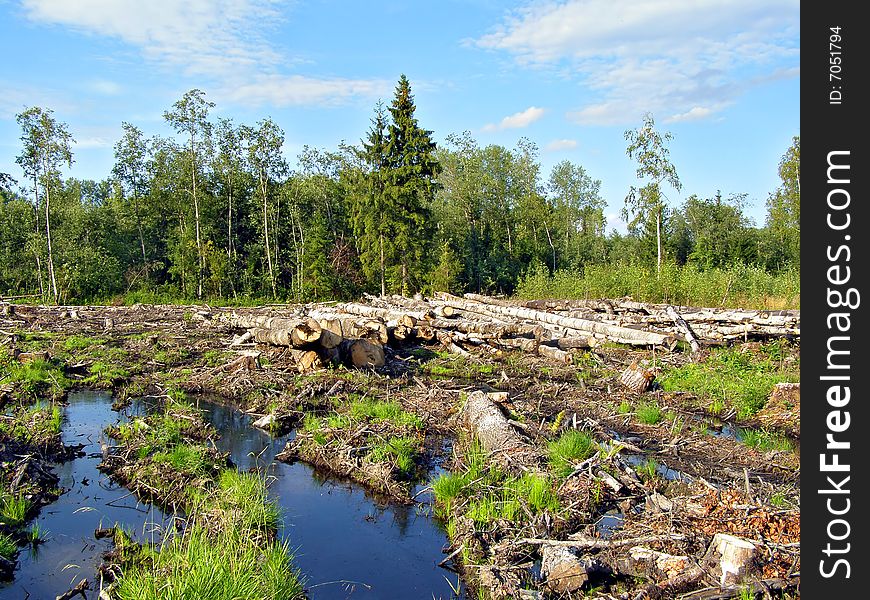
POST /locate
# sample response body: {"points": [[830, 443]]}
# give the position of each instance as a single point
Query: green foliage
{"points": [[8, 547], [13, 509], [398, 450], [184, 458], [737, 285], [379, 410], [212, 212], [197, 565], [649, 413], [81, 342], [732, 377], [569, 448], [764, 440]]}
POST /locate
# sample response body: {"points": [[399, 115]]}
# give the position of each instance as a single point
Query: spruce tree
{"points": [[409, 186]]}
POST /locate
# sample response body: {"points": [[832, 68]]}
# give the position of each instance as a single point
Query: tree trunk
{"points": [[659, 241], [196, 215], [623, 335], [497, 436], [383, 275], [48, 239], [263, 188]]}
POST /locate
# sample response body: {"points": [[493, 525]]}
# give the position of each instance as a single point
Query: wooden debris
{"points": [[636, 378], [484, 418], [563, 570]]}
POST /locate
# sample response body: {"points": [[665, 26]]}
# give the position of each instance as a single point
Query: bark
{"points": [[614, 333], [362, 353], [636, 378], [485, 419]]}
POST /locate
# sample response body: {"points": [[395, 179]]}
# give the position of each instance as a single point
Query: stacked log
{"points": [[707, 325], [475, 324]]}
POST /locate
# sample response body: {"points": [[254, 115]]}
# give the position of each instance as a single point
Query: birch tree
{"points": [[190, 117], [649, 148], [46, 147]]}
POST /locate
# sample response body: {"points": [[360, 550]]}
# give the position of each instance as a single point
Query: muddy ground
{"points": [[672, 485]]}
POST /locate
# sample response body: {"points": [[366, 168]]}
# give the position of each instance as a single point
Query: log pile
{"points": [[707, 325], [356, 333]]}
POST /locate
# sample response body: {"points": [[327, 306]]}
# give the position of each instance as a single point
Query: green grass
{"points": [[39, 424], [649, 413], [197, 565], [80, 342], [571, 447], [13, 509], [764, 440], [8, 548], [729, 377], [624, 408], [399, 451], [739, 285], [648, 470], [378, 410], [244, 495], [105, 375], [37, 378], [185, 458]]}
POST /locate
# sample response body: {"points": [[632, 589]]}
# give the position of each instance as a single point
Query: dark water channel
{"points": [[346, 544], [70, 552]]}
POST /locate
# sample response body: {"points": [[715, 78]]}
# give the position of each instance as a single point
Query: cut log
{"points": [[484, 418], [563, 570], [636, 378], [362, 353], [735, 558], [406, 318], [687, 331], [623, 335], [651, 564], [279, 331], [306, 360]]}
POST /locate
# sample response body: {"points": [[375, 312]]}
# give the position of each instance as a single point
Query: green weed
{"points": [[764, 440], [8, 548], [570, 448], [649, 413]]}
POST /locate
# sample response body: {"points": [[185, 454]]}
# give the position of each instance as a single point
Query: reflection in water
{"points": [[346, 544], [70, 552]]}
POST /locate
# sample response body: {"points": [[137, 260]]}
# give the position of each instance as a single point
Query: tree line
{"points": [[216, 212]]}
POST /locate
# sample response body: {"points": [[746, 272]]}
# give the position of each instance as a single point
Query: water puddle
{"points": [[637, 460], [609, 523], [346, 544], [70, 552]]}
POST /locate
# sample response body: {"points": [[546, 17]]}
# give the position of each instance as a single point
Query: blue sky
{"points": [[723, 76]]}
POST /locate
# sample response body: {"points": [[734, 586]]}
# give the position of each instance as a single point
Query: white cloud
{"points": [[517, 120], [614, 221], [279, 90], [221, 40], [93, 142], [694, 114], [201, 36], [557, 145], [660, 56]]}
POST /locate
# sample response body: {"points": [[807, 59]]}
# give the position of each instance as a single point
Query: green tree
{"points": [[369, 213], [46, 147], [784, 209], [409, 185], [649, 148], [190, 117], [579, 208], [268, 165], [130, 170]]}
